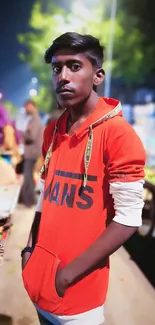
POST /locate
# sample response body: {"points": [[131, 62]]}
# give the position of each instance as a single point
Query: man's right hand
{"points": [[25, 259]]}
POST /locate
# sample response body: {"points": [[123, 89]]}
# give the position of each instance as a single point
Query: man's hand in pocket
{"points": [[61, 283]]}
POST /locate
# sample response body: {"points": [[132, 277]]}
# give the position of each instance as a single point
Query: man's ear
{"points": [[99, 77]]}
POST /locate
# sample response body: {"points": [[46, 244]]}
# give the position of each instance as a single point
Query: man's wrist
{"points": [[27, 249], [67, 276]]}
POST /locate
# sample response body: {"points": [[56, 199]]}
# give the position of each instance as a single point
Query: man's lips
{"points": [[63, 90]]}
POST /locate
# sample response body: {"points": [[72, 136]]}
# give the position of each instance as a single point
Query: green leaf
{"points": [[128, 57]]}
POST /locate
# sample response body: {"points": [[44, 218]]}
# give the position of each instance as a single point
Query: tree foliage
{"points": [[48, 21], [11, 108], [142, 13]]}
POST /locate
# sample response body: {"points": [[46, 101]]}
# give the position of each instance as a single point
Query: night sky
{"points": [[15, 76]]}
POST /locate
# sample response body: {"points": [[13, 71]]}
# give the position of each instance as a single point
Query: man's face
{"points": [[28, 108], [73, 77]]}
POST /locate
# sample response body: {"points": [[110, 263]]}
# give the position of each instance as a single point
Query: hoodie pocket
{"points": [[39, 278]]}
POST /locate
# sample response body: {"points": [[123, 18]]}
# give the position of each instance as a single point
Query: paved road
{"points": [[131, 299], [14, 301]]}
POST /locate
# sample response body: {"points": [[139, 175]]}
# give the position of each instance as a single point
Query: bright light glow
{"points": [[34, 80], [1, 95], [84, 11], [33, 92]]}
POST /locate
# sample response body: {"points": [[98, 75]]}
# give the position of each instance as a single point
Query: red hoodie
{"points": [[77, 205]]}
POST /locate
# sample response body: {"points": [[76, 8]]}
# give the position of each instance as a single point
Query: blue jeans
{"points": [[43, 320]]}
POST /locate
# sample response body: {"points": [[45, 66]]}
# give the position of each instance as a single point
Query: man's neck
{"points": [[33, 113], [79, 114], [84, 109]]}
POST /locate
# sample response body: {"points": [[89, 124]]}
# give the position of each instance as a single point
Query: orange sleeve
{"points": [[124, 152]]}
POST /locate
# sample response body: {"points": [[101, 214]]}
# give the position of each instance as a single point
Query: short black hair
{"points": [[79, 43]]}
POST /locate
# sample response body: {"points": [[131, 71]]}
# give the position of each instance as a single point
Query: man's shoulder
{"points": [[48, 133], [48, 136], [49, 129], [118, 124], [36, 119]]}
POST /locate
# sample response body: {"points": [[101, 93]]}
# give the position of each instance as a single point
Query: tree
{"points": [[11, 108], [49, 21], [143, 15], [128, 52]]}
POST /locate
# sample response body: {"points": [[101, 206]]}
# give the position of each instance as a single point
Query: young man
{"points": [[91, 201]]}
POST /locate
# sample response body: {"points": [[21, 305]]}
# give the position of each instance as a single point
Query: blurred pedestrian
{"points": [[9, 137], [32, 138]]}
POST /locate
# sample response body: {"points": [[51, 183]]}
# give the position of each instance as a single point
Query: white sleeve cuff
{"points": [[128, 202], [41, 196], [41, 184]]}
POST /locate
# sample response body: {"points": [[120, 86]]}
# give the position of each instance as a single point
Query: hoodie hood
{"points": [[106, 108]]}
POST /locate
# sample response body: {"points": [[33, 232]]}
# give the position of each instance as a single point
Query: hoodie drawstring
{"points": [[88, 150], [44, 167], [87, 155]]}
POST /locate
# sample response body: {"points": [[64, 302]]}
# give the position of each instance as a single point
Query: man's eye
{"points": [[75, 67], [56, 70]]}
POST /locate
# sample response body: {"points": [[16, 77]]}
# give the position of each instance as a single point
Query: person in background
{"points": [[32, 138], [9, 137]]}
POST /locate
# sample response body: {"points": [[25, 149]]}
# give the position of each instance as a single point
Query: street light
{"points": [[34, 80], [1, 95], [110, 49], [33, 92]]}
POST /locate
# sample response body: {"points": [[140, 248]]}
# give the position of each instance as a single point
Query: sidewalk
{"points": [[131, 299], [14, 301]]}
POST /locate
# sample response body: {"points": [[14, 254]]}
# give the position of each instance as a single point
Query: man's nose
{"points": [[64, 76]]}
